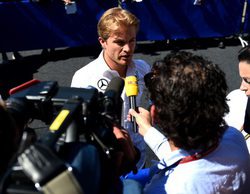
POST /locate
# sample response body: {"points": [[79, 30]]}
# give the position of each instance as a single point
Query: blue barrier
{"points": [[179, 19], [246, 26], [29, 25]]}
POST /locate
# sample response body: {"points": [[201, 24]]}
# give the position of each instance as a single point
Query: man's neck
{"points": [[121, 69], [172, 146]]}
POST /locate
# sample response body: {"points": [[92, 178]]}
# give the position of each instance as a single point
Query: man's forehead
{"points": [[244, 69]]}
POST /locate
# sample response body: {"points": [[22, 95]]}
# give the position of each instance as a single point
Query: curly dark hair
{"points": [[189, 93]]}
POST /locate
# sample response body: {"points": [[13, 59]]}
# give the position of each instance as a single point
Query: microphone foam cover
{"points": [[131, 86], [115, 85]]}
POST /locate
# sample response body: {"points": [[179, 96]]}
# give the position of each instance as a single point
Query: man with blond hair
{"points": [[117, 30]]}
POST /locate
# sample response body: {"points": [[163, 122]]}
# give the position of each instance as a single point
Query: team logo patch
{"points": [[102, 84]]}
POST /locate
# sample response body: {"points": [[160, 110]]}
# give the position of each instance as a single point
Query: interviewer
{"points": [[198, 152]]}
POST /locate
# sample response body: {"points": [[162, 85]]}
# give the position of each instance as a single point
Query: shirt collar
{"points": [[107, 72], [102, 61], [172, 158]]}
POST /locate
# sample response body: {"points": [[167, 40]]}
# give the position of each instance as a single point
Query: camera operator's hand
{"points": [[128, 155], [40, 164]]}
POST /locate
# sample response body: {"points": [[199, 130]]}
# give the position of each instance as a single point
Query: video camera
{"points": [[73, 115]]}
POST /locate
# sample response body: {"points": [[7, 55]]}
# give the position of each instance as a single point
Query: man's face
{"points": [[244, 71], [119, 47]]}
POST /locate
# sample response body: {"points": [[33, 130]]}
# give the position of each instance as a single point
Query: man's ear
{"points": [[153, 113], [102, 42]]}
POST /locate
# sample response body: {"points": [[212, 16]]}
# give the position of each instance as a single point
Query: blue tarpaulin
{"points": [[27, 25], [181, 19]]}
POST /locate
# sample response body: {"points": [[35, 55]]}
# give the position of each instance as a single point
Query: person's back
{"points": [[222, 171]]}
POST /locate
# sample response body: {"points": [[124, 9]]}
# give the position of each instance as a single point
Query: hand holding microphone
{"points": [[131, 89], [143, 119]]}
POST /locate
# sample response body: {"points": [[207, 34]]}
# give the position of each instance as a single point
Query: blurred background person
{"points": [[239, 114]]}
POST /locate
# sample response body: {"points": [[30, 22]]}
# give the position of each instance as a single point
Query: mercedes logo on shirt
{"points": [[102, 84]]}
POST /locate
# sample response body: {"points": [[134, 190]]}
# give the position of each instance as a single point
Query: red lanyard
{"points": [[190, 158], [198, 155]]}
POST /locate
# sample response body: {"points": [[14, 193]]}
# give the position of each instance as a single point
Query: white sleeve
{"points": [[237, 102], [81, 79], [157, 142], [74, 81]]}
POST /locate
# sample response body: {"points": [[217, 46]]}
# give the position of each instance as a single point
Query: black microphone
{"points": [[112, 102], [131, 89]]}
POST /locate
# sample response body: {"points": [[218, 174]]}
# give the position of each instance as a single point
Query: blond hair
{"points": [[113, 18]]}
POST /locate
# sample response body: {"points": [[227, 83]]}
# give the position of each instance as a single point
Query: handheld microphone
{"points": [[131, 89]]}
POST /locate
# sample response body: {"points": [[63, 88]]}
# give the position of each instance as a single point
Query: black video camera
{"points": [[83, 108], [73, 115]]}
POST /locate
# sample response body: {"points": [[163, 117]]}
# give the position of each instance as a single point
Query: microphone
{"points": [[131, 89], [112, 96]]}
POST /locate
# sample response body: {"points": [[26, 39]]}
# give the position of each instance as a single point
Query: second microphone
{"points": [[131, 89]]}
